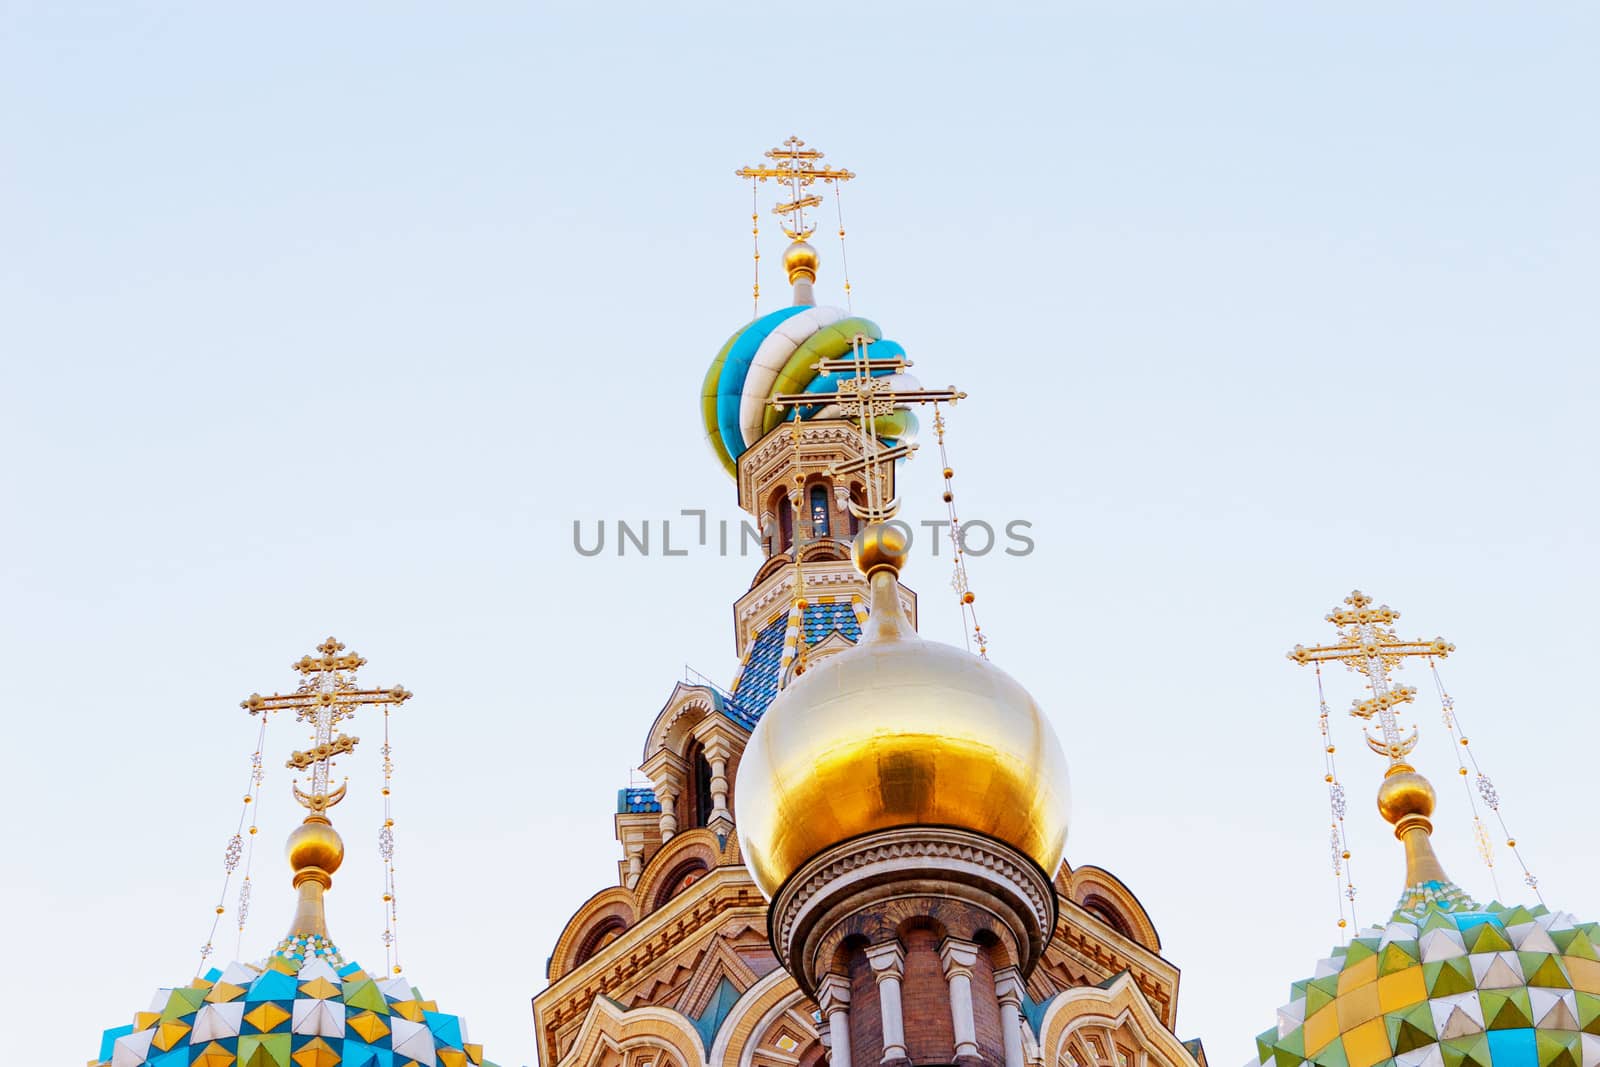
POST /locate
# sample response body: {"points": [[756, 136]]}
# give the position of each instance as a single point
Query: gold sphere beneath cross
{"points": [[315, 844], [1405, 794], [800, 261], [879, 546]]}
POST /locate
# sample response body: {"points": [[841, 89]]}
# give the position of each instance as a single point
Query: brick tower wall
{"points": [[930, 1034], [986, 1010], [866, 1018]]}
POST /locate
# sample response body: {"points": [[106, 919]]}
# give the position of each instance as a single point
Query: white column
{"points": [[888, 963], [1008, 989], [717, 753], [669, 812], [833, 997], [959, 958], [635, 864]]}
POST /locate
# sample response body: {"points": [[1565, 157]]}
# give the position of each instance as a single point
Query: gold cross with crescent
{"points": [[327, 694], [797, 166], [1367, 643]]}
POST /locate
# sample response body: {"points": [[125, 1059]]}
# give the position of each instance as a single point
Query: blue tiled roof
{"points": [[735, 710], [758, 683], [637, 799], [823, 619]]}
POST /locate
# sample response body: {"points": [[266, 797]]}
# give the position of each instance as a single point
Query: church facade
{"points": [[808, 877]]}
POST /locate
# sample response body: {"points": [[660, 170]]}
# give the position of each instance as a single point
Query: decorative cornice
{"points": [[645, 945], [684, 699], [773, 595], [823, 442], [1074, 940], [948, 853], [1119, 1006]]}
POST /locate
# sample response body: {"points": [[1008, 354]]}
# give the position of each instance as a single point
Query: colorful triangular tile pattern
{"points": [[1447, 983], [302, 1007]]}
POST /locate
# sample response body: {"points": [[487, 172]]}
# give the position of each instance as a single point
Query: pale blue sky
{"points": [[332, 319]]}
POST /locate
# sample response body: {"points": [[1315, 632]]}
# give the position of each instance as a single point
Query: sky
{"points": [[333, 319]]}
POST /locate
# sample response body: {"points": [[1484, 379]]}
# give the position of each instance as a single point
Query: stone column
{"points": [[959, 957], [717, 753], [1008, 988], [635, 864], [669, 812], [833, 997], [888, 962]]}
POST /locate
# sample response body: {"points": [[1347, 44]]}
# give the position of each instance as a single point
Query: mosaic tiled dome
{"points": [[301, 1007], [1449, 984]]}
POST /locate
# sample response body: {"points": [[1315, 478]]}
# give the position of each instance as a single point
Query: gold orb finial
{"points": [[800, 260], [315, 851], [1406, 799], [880, 546]]}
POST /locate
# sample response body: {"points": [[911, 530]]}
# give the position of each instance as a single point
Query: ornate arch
{"points": [[773, 565], [606, 909], [824, 550], [677, 719], [1113, 1026], [666, 866], [769, 1010], [612, 1037], [1102, 894]]}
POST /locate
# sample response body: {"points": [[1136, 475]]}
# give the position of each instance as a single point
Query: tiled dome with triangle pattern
{"points": [[304, 1005], [301, 1007], [1447, 985]]}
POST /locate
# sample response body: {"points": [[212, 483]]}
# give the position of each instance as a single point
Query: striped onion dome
{"points": [[776, 353]]}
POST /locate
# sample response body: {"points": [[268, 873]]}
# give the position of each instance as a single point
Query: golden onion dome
{"points": [[898, 731]]}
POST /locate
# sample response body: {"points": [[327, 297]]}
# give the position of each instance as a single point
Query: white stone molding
{"points": [[774, 595], [1008, 989], [811, 911], [959, 958], [888, 963], [1121, 1008], [823, 442], [833, 997]]}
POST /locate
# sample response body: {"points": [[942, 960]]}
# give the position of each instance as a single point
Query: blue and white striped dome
{"points": [[777, 353]]}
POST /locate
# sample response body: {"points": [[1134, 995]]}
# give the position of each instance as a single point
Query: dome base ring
{"points": [[897, 866]]}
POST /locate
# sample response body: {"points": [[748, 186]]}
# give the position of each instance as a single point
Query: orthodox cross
{"points": [[327, 694], [794, 163], [1367, 643], [864, 398]]}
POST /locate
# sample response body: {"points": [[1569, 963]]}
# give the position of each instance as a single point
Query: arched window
{"points": [[859, 497], [700, 795], [684, 876], [598, 938], [785, 524], [819, 510], [1107, 913]]}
